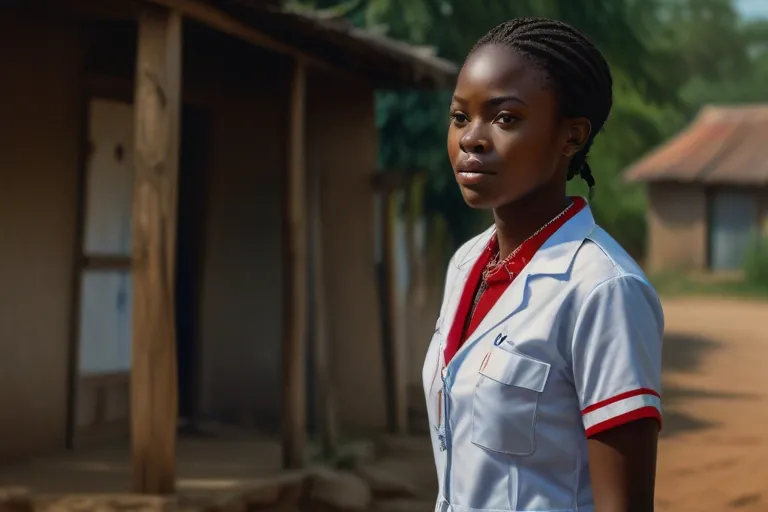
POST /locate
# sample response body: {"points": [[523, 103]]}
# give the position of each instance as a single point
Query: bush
{"points": [[756, 262]]}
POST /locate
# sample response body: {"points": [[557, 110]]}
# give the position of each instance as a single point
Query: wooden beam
{"points": [[295, 281], [106, 262], [221, 21], [326, 406], [100, 10], [154, 394], [395, 378]]}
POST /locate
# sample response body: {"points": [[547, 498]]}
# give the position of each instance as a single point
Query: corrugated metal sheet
{"points": [[723, 145], [387, 61]]}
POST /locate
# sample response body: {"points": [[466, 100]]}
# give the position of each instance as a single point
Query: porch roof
{"points": [[332, 41]]}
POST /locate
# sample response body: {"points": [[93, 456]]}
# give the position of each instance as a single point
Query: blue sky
{"points": [[753, 8]]}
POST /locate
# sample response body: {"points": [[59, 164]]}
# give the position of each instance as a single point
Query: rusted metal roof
{"points": [[386, 61], [723, 145]]}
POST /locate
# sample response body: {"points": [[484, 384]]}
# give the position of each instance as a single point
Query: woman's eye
{"points": [[459, 118], [506, 119]]}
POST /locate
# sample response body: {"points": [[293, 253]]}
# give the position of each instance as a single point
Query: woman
{"points": [[543, 376]]}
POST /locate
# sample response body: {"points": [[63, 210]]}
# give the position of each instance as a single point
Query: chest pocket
{"points": [[505, 402]]}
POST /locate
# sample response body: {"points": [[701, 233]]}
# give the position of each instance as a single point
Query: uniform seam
{"points": [[605, 252], [598, 287]]}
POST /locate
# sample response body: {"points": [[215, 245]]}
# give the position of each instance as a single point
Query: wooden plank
{"points": [[326, 406], [106, 262], [387, 334], [73, 356], [154, 395], [295, 281], [397, 411], [399, 380], [416, 261]]}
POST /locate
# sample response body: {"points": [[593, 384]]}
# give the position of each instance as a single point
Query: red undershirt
{"points": [[498, 281]]}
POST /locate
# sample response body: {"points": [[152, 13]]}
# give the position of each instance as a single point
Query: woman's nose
{"points": [[474, 141]]}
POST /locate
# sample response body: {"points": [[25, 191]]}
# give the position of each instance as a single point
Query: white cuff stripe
{"points": [[615, 409]]}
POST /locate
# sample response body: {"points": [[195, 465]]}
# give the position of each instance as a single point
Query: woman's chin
{"points": [[477, 200]]}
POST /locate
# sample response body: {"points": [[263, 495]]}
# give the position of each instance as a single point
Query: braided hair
{"points": [[574, 66]]}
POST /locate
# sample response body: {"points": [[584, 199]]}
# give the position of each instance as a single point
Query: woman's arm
{"points": [[616, 363], [622, 464]]}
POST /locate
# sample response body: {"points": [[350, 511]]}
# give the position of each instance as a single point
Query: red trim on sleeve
{"points": [[623, 419], [621, 396]]}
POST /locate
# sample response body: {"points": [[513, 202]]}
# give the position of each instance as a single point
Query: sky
{"points": [[753, 8]]}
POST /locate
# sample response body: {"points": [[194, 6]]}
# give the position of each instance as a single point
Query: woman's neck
{"points": [[518, 221]]}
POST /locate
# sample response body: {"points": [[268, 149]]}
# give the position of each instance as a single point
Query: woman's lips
{"points": [[473, 177], [472, 172]]}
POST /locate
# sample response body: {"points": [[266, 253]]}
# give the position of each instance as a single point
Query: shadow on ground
{"points": [[685, 353]]}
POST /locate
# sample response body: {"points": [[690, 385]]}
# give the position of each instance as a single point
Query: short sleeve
{"points": [[616, 354]]}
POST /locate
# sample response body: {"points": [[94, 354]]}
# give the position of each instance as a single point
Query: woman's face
{"points": [[506, 139]]}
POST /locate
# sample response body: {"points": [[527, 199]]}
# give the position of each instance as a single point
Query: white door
{"points": [[732, 223], [105, 286]]}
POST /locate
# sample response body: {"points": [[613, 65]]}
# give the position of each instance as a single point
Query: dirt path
{"points": [[714, 449]]}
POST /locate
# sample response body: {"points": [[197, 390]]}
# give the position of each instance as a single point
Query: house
{"points": [[707, 190], [161, 162]]}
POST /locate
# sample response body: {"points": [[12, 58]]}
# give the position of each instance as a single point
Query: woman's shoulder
{"points": [[601, 264], [602, 255]]}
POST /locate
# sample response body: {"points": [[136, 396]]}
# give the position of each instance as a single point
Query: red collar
{"points": [[529, 248]]}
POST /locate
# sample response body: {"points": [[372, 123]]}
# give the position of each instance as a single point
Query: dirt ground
{"points": [[713, 453]]}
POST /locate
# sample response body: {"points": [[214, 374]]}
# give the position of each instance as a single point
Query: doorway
{"points": [[732, 224], [100, 391], [189, 251]]}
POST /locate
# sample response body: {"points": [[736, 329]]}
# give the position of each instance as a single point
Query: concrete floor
{"points": [[206, 467]]}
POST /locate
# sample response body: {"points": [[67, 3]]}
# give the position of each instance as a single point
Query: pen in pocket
{"points": [[485, 361]]}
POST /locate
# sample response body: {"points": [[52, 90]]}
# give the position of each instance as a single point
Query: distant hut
{"points": [[707, 190]]}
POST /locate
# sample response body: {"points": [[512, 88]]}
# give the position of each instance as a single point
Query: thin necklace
{"points": [[494, 265]]}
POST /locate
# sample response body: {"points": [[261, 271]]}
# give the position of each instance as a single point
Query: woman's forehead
{"points": [[498, 70]]}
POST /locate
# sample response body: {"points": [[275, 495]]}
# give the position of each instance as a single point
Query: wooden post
{"points": [[295, 282], [154, 394], [326, 406], [397, 411]]}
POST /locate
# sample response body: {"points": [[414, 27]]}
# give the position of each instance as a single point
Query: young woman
{"points": [[543, 376]]}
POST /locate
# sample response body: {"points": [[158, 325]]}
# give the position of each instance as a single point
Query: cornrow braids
{"points": [[574, 66]]}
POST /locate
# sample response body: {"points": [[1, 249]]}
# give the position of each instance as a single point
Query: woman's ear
{"points": [[577, 132]]}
